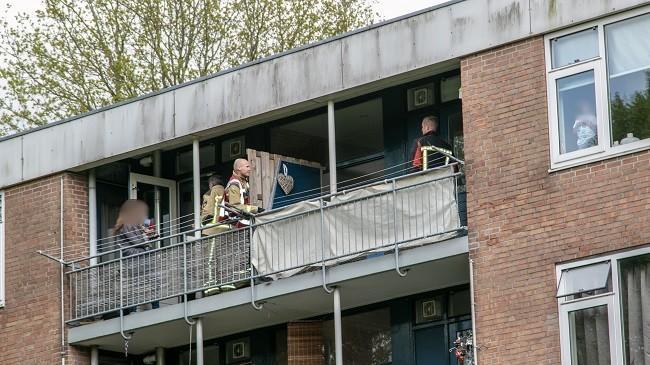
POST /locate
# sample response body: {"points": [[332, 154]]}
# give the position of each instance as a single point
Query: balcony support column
{"points": [[331, 141], [92, 215], [338, 336], [199, 341], [160, 356], [157, 172], [94, 355], [196, 181]]}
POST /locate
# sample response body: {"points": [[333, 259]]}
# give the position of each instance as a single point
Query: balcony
{"points": [[312, 236]]}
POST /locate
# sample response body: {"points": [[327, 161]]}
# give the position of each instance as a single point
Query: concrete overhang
{"points": [[431, 267], [385, 54]]}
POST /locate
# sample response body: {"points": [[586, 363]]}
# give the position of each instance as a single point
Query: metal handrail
{"points": [[93, 286]]}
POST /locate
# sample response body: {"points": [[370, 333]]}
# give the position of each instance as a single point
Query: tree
{"points": [[75, 56], [632, 115]]}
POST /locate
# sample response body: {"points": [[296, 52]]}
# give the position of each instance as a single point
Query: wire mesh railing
{"points": [[394, 214]]}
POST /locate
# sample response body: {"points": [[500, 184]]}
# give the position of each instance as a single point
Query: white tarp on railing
{"points": [[420, 209]]}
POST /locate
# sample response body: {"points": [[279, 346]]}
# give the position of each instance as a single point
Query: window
{"points": [[599, 89], [635, 309], [604, 307], [2, 249], [366, 340]]}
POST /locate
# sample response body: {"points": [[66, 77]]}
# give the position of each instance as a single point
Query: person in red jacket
{"points": [[430, 138]]}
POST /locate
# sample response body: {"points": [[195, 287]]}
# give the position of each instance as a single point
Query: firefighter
{"points": [[430, 138], [237, 198], [237, 191], [210, 217], [210, 210]]}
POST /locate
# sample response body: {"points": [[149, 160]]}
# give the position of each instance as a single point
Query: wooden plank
{"points": [[264, 166], [267, 175], [256, 177]]}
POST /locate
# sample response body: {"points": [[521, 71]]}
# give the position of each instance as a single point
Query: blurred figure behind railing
{"points": [[132, 234]]}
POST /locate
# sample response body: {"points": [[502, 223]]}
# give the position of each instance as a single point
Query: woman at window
{"points": [[585, 127]]}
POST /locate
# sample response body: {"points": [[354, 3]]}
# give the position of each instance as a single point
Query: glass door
{"points": [[160, 196]]}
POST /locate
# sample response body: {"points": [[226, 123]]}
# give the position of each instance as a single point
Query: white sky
{"points": [[387, 8], [393, 8]]}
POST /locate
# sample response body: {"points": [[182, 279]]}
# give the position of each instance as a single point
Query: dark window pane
{"points": [[589, 331], [635, 303], [459, 303], [366, 339], [359, 130]]}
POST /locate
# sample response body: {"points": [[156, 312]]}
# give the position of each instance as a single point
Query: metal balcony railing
{"points": [[391, 215]]}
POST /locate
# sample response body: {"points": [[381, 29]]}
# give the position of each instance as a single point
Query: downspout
{"points": [[473, 304], [62, 289]]}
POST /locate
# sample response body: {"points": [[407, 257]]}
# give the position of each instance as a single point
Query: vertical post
{"points": [[94, 355], [157, 172], [196, 180], [160, 356], [92, 215], [338, 337], [425, 159], [331, 139], [473, 306], [62, 269], [199, 341]]}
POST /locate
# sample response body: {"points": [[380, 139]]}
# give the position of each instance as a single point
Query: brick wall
{"points": [[305, 343], [30, 322], [523, 219]]}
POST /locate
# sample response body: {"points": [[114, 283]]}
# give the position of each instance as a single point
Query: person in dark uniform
{"points": [[430, 138]]}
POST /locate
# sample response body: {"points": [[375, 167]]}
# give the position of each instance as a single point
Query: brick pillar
{"points": [[30, 322], [305, 343]]}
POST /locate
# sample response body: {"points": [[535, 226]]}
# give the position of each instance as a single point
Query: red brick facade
{"points": [[30, 322], [524, 219], [305, 343]]}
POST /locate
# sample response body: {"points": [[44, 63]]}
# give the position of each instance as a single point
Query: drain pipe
{"points": [[62, 269], [473, 304], [338, 338]]}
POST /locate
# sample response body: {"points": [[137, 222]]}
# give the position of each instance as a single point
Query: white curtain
{"points": [[420, 211], [628, 46], [636, 312]]}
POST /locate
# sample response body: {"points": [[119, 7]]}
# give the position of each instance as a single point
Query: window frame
{"points": [[604, 149], [3, 219], [612, 299]]}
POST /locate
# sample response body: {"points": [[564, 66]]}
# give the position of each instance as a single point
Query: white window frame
{"points": [[603, 150], [3, 218], [612, 299]]}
